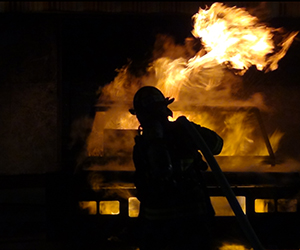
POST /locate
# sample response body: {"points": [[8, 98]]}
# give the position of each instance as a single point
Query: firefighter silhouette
{"points": [[175, 209]]}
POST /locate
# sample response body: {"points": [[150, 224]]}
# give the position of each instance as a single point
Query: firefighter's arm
{"points": [[212, 139]]}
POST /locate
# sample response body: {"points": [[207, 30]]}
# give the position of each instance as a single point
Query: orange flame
{"points": [[233, 246], [237, 130], [233, 36], [232, 39]]}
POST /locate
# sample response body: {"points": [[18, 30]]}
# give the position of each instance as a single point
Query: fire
{"points": [[231, 246], [238, 130], [233, 36], [89, 206], [232, 41], [170, 75], [230, 37]]}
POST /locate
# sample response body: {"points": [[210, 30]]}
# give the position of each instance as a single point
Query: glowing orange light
{"points": [[231, 39]]}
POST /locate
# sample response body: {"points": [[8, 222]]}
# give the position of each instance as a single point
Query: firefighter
{"points": [[175, 210]]}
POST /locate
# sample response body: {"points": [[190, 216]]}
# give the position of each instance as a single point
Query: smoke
{"points": [[262, 11], [99, 181], [80, 131]]}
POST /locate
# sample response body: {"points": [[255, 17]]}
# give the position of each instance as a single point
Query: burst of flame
{"points": [[231, 38]]}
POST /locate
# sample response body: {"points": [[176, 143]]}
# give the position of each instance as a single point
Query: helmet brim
{"points": [[166, 102]]}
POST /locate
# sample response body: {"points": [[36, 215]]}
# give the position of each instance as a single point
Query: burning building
{"points": [[206, 76]]}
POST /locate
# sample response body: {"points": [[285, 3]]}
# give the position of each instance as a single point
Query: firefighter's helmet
{"points": [[149, 99]]}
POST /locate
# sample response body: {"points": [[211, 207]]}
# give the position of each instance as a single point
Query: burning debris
{"points": [[204, 72]]}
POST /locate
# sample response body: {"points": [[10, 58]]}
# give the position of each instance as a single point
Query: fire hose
{"points": [[222, 181]]}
